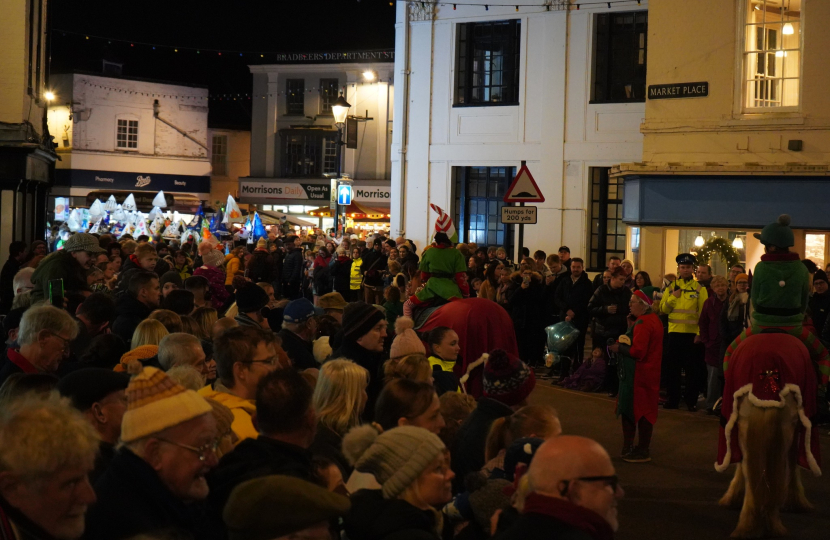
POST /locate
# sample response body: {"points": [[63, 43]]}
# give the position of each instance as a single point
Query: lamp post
{"points": [[339, 109]]}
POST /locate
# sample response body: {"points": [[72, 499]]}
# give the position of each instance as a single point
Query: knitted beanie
{"points": [[820, 275], [213, 258], [507, 379], [250, 298], [406, 340], [262, 243], [155, 403], [778, 234], [223, 416], [396, 457], [171, 277], [358, 319]]}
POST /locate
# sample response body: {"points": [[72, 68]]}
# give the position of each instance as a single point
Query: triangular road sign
{"points": [[523, 188]]}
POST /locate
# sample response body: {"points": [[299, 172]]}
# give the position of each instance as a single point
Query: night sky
{"points": [[275, 26]]}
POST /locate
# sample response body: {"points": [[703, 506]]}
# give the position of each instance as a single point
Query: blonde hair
{"points": [[537, 420], [232, 311], [145, 250], [148, 332], [412, 366], [719, 280], [206, 317], [39, 437], [339, 393]]}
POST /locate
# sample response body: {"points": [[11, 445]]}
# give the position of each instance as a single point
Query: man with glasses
{"points": [[156, 481], [243, 356], [573, 492], [70, 264], [44, 337]]}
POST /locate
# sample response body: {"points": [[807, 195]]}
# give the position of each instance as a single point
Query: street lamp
{"points": [[339, 109], [49, 96]]}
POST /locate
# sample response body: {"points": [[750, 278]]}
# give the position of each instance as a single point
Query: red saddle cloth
{"points": [[766, 368]]}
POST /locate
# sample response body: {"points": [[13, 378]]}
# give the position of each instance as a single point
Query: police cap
{"points": [[686, 258]]}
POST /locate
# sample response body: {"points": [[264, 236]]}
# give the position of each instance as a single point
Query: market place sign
{"points": [[679, 90]]}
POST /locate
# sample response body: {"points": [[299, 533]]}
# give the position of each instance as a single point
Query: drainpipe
{"points": [[405, 123], [184, 134]]}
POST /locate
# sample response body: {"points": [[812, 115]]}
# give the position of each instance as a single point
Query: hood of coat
{"points": [[373, 517], [516, 277]]}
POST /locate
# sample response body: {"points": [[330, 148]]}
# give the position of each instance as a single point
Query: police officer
{"points": [[682, 302]]}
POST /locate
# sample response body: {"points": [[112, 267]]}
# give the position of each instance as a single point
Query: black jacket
{"points": [[341, 272], [468, 451], [25, 528], [374, 518], [538, 526], [254, 458], [819, 309], [298, 350], [261, 268], [132, 500], [292, 266], [329, 444], [373, 362], [609, 324], [551, 310], [10, 269], [526, 305], [130, 313], [729, 330], [575, 296], [374, 263]]}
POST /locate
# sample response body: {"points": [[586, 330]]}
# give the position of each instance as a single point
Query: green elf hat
{"points": [[778, 234]]}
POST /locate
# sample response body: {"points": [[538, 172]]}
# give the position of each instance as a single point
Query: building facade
{"points": [[27, 157], [294, 141], [230, 160], [736, 131], [119, 135], [484, 89]]}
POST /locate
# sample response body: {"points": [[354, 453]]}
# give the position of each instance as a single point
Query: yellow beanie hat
{"points": [[155, 403]]}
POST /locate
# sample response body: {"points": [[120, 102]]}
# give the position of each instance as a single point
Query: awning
{"points": [[356, 211], [273, 218], [181, 202]]}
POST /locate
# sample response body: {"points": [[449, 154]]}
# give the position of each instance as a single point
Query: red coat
{"points": [[765, 368], [709, 324], [647, 349]]}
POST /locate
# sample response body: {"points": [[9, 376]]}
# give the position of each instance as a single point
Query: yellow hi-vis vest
{"points": [[356, 276], [684, 312]]}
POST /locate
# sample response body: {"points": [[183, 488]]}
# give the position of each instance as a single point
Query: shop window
{"points": [[691, 240], [330, 156], [772, 54], [479, 198], [126, 135], [219, 155], [607, 228], [620, 57], [816, 248], [295, 97], [328, 94], [487, 63], [305, 154]]}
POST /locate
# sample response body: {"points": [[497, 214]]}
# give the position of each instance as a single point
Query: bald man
{"points": [[572, 493]]}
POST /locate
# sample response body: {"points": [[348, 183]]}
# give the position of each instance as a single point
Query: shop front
{"points": [[716, 215]]}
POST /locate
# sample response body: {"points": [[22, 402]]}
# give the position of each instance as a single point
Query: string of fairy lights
{"points": [[313, 57]]}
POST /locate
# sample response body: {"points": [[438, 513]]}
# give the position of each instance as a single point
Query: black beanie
{"points": [[820, 275], [171, 277], [251, 298], [358, 319], [90, 385]]}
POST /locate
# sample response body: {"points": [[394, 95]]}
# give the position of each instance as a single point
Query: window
{"points": [[328, 94], [479, 194], [487, 66], [126, 137], [307, 154], [620, 45], [607, 228], [772, 54], [295, 97], [219, 155]]}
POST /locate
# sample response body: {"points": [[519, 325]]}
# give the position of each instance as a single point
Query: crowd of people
{"points": [[157, 390], [153, 390]]}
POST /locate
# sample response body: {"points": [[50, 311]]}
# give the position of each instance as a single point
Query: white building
{"points": [[482, 90], [293, 137], [124, 135]]}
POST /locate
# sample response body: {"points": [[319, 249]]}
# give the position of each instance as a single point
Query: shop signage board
{"points": [[678, 90], [254, 191], [523, 189], [132, 181], [523, 215], [372, 194]]}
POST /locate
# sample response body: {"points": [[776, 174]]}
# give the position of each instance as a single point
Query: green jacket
{"points": [[57, 265]]}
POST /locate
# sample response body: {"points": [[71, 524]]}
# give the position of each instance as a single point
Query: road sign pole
{"points": [[521, 232]]}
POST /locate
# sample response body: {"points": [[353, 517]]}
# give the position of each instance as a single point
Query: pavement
{"points": [[675, 495]]}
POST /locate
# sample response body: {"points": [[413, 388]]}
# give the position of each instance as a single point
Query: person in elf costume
{"points": [[640, 356], [444, 274], [779, 295]]}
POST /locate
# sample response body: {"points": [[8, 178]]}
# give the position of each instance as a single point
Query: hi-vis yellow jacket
{"points": [[684, 312]]}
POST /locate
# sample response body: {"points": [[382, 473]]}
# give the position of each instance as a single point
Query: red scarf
{"points": [[17, 359], [568, 513], [135, 260]]}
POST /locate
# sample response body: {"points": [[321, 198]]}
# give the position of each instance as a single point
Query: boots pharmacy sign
{"points": [[679, 90]]}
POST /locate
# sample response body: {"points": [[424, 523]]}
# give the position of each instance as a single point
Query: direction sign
{"points": [[344, 195], [523, 188], [523, 215]]}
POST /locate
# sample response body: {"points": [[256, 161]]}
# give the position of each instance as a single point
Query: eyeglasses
{"points": [[66, 342], [613, 481], [273, 361], [203, 451]]}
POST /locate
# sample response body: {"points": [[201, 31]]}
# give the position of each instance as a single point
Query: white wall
{"points": [[554, 128], [97, 102]]}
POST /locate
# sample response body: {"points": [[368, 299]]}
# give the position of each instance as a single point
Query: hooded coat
{"points": [[130, 313], [375, 518]]}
